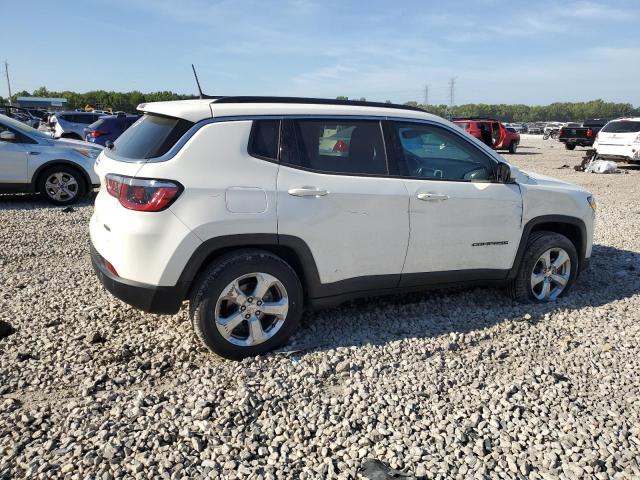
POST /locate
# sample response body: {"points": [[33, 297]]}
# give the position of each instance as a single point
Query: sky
{"points": [[533, 52]]}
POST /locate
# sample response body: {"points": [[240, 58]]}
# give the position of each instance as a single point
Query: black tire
{"points": [[538, 243], [570, 146], [80, 188], [217, 276], [513, 147], [545, 136]]}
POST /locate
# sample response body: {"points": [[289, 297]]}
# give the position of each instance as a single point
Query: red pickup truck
{"points": [[490, 131]]}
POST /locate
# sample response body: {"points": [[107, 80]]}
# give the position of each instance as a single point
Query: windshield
{"points": [[151, 136], [622, 126], [22, 128]]}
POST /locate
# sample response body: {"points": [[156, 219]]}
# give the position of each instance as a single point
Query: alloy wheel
{"points": [[251, 309], [550, 274], [61, 186]]}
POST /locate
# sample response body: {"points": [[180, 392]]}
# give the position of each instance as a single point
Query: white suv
{"points": [[253, 208], [619, 140]]}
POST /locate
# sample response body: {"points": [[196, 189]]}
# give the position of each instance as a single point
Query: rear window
{"points": [[622, 126], [463, 125], [151, 137], [263, 142]]}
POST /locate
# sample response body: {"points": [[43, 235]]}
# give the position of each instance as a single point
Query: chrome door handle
{"points": [[307, 192], [432, 197]]}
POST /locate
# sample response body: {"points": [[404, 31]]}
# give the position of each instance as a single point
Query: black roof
{"points": [[310, 101]]}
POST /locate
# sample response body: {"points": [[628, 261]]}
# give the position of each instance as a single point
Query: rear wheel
{"points": [[246, 303], [513, 147], [62, 185], [569, 146], [548, 269]]}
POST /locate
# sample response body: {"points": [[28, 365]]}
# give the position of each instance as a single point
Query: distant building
{"points": [[42, 102]]}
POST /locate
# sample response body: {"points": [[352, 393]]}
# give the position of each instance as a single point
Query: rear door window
{"points": [[335, 146], [263, 141], [151, 137], [622, 126]]}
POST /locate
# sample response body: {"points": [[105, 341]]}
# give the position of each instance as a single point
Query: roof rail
{"points": [[313, 101]]}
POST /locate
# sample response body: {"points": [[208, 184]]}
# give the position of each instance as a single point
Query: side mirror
{"points": [[108, 144], [7, 136], [503, 173]]}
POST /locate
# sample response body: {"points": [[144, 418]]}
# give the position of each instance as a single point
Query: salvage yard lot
{"points": [[448, 385]]}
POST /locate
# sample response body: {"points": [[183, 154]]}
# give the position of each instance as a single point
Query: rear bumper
{"points": [[148, 298], [583, 142]]}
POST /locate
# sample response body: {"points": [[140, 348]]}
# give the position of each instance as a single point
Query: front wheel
{"points": [[62, 185], [246, 303], [545, 136], [548, 269]]}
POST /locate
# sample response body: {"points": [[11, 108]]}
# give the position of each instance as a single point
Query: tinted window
{"points": [[263, 141], [151, 137], [335, 146], [432, 152], [463, 125], [622, 126]]}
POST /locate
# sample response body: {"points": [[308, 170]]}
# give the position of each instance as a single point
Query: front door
{"points": [[334, 193], [13, 160], [463, 224]]}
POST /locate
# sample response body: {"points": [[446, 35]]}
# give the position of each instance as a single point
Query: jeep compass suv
{"points": [[253, 208]]}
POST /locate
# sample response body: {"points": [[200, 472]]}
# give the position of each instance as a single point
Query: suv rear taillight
{"points": [[561, 132], [589, 132], [142, 194], [96, 133]]}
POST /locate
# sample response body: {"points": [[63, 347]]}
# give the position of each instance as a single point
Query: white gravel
{"points": [[464, 384]]}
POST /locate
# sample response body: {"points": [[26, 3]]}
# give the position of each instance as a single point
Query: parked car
{"points": [[189, 212], [108, 128], [499, 137], [536, 128], [619, 140], [584, 135], [31, 161], [72, 124], [21, 114]]}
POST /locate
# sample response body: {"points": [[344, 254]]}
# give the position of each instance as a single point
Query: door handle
{"points": [[307, 192], [432, 197]]}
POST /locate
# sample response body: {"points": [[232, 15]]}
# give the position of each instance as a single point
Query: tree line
{"points": [[102, 99], [560, 111]]}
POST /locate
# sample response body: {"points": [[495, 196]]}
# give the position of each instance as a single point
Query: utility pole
{"points": [[426, 95], [6, 69], [452, 91]]}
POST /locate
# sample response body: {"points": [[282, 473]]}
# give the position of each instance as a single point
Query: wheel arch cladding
{"points": [[292, 250], [571, 227]]}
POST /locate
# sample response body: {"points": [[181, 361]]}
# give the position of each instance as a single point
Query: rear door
{"points": [[463, 225], [335, 193]]}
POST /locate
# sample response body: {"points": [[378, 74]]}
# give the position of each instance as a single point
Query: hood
{"points": [[530, 178], [70, 143]]}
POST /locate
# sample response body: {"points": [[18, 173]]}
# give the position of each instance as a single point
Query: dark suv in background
{"points": [[109, 127]]}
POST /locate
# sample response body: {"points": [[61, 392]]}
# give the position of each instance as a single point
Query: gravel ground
{"points": [[463, 384]]}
